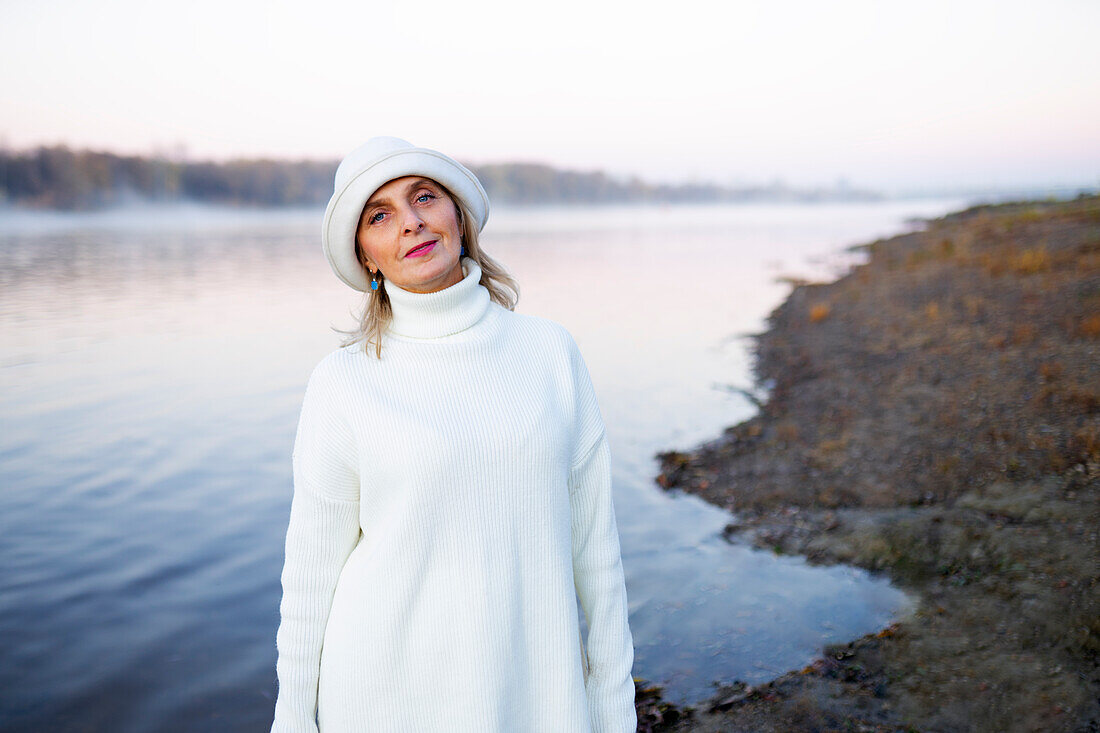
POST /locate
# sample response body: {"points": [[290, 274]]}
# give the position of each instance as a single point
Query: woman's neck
{"points": [[442, 313]]}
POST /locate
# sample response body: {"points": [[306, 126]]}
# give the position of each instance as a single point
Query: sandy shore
{"points": [[933, 415]]}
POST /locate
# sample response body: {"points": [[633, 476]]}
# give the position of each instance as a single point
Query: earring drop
{"points": [[373, 281], [463, 252]]}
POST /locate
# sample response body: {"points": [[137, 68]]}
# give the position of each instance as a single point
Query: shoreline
{"points": [[935, 417]]}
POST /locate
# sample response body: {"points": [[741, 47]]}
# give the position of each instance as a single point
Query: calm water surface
{"points": [[152, 364]]}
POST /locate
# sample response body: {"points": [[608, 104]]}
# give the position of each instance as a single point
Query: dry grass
{"points": [[1090, 327], [1031, 261], [819, 312], [946, 430], [787, 432]]}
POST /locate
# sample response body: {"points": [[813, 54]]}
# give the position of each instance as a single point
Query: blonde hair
{"points": [[377, 312]]}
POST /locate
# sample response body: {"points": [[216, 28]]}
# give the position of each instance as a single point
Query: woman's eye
{"points": [[375, 218], [424, 197]]}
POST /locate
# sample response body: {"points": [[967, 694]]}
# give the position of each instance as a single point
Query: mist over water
{"points": [[152, 364]]}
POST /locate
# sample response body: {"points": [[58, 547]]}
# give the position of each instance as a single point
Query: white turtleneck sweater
{"points": [[451, 502]]}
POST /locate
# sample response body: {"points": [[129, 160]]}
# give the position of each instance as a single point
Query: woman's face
{"points": [[409, 230]]}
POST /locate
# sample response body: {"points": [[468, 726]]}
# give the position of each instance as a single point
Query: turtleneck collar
{"points": [[442, 313]]}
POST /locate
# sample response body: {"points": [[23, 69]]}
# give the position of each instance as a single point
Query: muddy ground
{"points": [[933, 415]]}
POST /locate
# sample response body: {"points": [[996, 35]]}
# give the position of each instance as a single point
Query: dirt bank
{"points": [[934, 415]]}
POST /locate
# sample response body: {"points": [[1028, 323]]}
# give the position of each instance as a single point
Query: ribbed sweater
{"points": [[452, 500]]}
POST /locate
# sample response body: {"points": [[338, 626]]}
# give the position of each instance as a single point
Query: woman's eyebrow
{"points": [[419, 183], [408, 189], [371, 206]]}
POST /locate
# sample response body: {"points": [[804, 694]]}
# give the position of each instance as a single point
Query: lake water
{"points": [[152, 363]]}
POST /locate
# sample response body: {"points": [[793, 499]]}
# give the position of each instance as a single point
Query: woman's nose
{"points": [[413, 223]]}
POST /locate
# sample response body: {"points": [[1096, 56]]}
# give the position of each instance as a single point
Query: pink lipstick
{"points": [[422, 249]]}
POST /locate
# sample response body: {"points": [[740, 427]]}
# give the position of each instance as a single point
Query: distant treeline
{"points": [[61, 178], [528, 183]]}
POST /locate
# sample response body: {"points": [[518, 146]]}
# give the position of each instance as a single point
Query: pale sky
{"points": [[884, 94]]}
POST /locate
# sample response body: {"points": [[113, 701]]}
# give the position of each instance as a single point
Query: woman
{"points": [[452, 492]]}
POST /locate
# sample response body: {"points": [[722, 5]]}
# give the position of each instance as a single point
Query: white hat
{"points": [[368, 168]]}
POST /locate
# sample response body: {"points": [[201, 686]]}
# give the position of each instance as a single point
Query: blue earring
{"points": [[463, 252], [373, 282]]}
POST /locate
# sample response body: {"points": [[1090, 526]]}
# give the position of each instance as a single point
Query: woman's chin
{"points": [[432, 276]]}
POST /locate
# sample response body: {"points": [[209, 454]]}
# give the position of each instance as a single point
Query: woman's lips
{"points": [[422, 249]]}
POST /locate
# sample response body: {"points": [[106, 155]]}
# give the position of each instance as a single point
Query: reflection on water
{"points": [[151, 370]]}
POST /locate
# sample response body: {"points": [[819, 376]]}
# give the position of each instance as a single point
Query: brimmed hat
{"points": [[368, 168]]}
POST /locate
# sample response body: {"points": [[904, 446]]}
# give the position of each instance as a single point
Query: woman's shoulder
{"points": [[335, 366], [549, 342], [545, 330]]}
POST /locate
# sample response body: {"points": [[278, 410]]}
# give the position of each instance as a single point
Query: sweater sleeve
{"points": [[598, 571], [322, 532]]}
